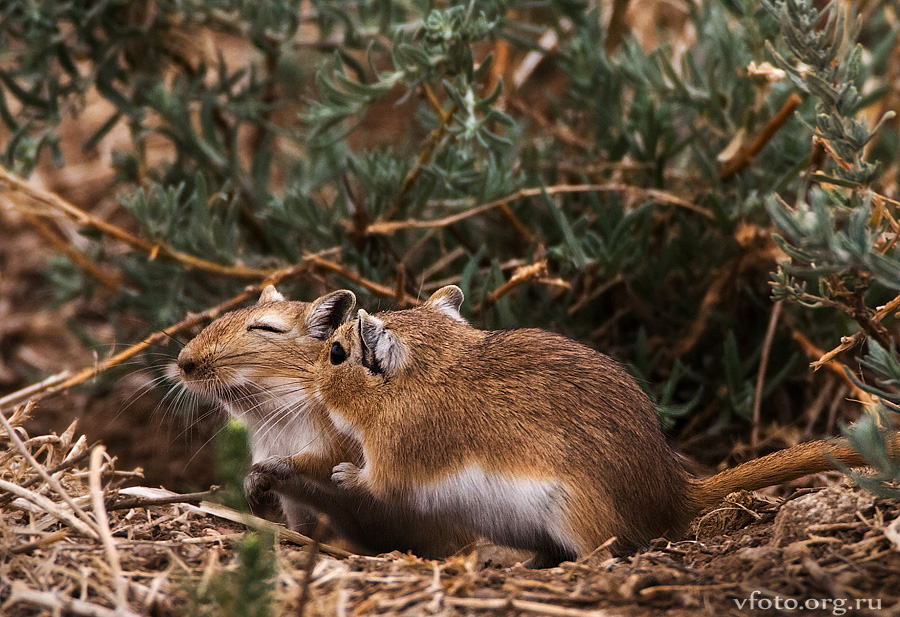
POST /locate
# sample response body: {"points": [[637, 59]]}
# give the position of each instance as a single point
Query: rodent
{"points": [[527, 437], [253, 362]]}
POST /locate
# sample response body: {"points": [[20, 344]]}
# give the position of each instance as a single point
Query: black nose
{"points": [[186, 362]]}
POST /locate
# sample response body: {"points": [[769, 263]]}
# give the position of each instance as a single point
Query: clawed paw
{"points": [[345, 475], [265, 476]]}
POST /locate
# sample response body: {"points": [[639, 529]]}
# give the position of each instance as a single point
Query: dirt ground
{"points": [[824, 551]]}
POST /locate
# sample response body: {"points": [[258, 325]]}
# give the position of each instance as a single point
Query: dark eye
{"points": [[338, 354], [265, 328]]}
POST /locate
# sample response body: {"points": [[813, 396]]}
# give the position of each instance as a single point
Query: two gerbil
{"points": [[254, 363]]}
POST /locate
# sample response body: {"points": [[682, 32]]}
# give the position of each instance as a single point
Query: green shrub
{"points": [[621, 203]]}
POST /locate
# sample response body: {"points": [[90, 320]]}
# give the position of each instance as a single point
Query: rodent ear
{"points": [[329, 312], [382, 351], [270, 294], [447, 300]]}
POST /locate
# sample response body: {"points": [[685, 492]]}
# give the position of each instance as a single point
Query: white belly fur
{"points": [[500, 506]]}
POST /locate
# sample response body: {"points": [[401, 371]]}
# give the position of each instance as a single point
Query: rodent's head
{"points": [[374, 350], [256, 360]]}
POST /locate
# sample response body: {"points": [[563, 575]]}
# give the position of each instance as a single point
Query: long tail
{"points": [[778, 467]]}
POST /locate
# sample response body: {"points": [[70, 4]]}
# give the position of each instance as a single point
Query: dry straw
{"points": [[74, 542]]}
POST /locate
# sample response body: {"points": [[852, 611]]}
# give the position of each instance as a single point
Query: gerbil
{"points": [[254, 363], [528, 438]]}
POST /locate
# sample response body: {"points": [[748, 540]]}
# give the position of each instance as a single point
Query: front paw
{"points": [[346, 475], [266, 476]]}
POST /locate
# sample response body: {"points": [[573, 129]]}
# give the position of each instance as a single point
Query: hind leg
{"points": [[551, 547], [550, 556]]}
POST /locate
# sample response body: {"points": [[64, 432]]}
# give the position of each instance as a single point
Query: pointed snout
{"points": [[186, 361]]}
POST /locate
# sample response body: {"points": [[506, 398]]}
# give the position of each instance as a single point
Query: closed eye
{"points": [[265, 328]]}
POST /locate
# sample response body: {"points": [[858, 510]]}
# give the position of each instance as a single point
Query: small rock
{"points": [[757, 553], [835, 504]]}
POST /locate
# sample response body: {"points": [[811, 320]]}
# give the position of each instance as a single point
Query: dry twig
{"points": [[745, 155], [848, 342], [147, 502], [435, 138], [56, 602], [536, 271], [280, 531], [537, 608], [390, 227], [56, 204], [321, 524], [70, 462], [761, 375], [47, 505]]}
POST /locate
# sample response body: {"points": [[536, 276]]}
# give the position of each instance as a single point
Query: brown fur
{"points": [[778, 467], [259, 377], [243, 370], [525, 405]]}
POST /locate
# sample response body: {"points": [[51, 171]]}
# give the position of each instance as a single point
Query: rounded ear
{"points": [[270, 294], [329, 312], [447, 300], [383, 352]]}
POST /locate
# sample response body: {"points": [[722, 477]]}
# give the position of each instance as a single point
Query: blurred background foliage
{"points": [[645, 177]]}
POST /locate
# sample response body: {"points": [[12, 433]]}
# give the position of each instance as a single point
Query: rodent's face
{"points": [[339, 373], [370, 359], [257, 360]]}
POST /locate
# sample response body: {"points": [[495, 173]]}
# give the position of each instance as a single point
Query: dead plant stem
{"points": [[55, 203], [106, 537], [745, 155], [435, 138], [43, 473], [390, 227], [311, 558], [48, 506], [761, 374], [57, 603], [66, 464], [111, 281], [146, 502], [848, 342]]}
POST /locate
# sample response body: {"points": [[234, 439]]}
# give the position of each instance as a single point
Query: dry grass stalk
{"points": [[761, 375], [86, 525], [57, 603], [55, 205], [136, 564], [892, 533], [109, 543]]}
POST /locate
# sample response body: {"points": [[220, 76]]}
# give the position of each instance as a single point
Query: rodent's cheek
{"points": [[346, 379], [327, 383]]}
